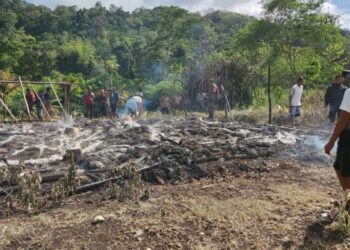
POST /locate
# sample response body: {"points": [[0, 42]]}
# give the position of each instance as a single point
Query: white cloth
{"points": [[345, 105], [139, 102], [296, 93], [138, 99]]}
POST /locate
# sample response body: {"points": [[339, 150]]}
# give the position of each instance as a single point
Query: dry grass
{"points": [[236, 213]]}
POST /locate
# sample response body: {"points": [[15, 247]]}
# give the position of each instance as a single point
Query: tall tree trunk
{"points": [[269, 93]]}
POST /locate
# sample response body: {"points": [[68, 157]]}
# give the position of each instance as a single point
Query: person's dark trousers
{"points": [[211, 109], [334, 112], [39, 112], [89, 109], [164, 110], [103, 111]]}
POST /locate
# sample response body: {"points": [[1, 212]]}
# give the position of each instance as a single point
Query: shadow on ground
{"points": [[320, 235]]}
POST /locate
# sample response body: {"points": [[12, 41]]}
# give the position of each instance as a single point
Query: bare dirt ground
{"points": [[277, 209], [260, 202]]}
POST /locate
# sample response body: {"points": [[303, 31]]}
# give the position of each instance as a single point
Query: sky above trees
{"points": [[248, 7]]}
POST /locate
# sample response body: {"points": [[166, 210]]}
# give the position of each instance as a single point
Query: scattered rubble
{"points": [[160, 151]]}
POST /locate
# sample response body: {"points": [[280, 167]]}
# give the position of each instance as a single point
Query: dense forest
{"points": [[172, 49]]}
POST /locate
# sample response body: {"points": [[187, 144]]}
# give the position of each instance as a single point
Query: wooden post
{"points": [[42, 104], [227, 103], [59, 102], [25, 100], [5, 111], [269, 93], [66, 98], [8, 110]]}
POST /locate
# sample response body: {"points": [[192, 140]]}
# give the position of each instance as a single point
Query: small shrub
{"points": [[66, 186], [343, 221], [127, 185]]}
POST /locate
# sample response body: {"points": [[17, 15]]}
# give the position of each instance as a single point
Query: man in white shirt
{"points": [[295, 100], [342, 131]]}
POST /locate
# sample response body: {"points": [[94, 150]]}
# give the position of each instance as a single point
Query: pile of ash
{"points": [[167, 150]]}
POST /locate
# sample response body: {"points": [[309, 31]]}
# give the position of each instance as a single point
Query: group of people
{"points": [[332, 99], [105, 104], [337, 101], [41, 101], [168, 103], [204, 101]]}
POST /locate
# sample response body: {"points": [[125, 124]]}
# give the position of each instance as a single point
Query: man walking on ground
{"points": [[295, 100], [342, 131], [89, 102], [333, 98]]}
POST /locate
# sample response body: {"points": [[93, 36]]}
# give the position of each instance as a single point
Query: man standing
{"points": [[165, 102], [39, 106], [47, 102], [295, 100], [212, 99], [31, 99], [102, 103], [113, 101], [342, 131], [89, 102], [333, 98]]}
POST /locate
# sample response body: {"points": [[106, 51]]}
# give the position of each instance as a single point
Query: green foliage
{"points": [[343, 221], [155, 91], [76, 56], [103, 47]]}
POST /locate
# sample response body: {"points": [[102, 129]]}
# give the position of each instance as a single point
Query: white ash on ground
{"points": [[170, 150]]}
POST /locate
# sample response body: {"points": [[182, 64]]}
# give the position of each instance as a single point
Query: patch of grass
{"points": [[342, 223]]}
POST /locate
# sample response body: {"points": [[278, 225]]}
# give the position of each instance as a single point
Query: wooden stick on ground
{"points": [[8, 110], [42, 104], [25, 99]]}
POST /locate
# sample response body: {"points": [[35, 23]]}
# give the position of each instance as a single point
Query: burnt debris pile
{"points": [[95, 153]]}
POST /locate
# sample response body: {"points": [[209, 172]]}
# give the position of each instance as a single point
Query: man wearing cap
{"points": [[342, 132], [333, 98]]}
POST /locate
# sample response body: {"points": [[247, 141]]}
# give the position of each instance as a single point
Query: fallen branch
{"points": [[93, 185]]}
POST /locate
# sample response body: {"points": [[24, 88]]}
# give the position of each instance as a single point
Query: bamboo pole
{"points": [[66, 98], [228, 107], [8, 110], [33, 82], [42, 104], [59, 102], [25, 99]]}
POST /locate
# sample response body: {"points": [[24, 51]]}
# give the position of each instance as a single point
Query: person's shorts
{"points": [[164, 110], [295, 111], [342, 162]]}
